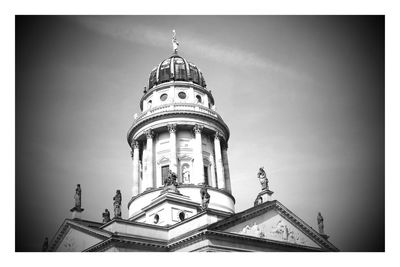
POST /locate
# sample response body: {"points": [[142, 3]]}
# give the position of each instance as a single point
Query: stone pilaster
{"points": [[198, 156], [135, 163], [172, 141], [218, 162]]}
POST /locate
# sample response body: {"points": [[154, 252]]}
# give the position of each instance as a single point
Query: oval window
{"points": [[198, 98], [182, 95], [181, 216], [156, 218], [163, 97]]}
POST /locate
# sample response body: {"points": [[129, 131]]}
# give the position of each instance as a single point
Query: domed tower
{"points": [[178, 130]]}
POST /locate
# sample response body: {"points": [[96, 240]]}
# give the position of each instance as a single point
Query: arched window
{"points": [[198, 99], [180, 70], [164, 75], [149, 103], [194, 73], [153, 78], [205, 175]]}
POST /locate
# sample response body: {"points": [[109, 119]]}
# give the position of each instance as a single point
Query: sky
{"points": [[303, 96]]}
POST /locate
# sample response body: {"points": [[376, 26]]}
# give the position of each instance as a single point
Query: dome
{"points": [[176, 68]]}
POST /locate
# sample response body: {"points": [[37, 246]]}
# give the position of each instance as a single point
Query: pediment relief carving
{"points": [[274, 228]]}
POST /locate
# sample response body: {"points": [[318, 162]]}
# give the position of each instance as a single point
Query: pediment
{"points": [[76, 240], [73, 236], [273, 226]]}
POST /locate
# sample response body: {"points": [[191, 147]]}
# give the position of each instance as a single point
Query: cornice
{"points": [[174, 114]]}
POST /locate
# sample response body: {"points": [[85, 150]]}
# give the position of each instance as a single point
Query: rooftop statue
{"points": [[262, 176], [320, 221], [78, 199], [205, 197], [170, 182], [117, 204], [175, 43], [106, 216]]}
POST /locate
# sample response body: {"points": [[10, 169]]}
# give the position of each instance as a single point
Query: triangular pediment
{"points": [[271, 225], [76, 236], [274, 222]]}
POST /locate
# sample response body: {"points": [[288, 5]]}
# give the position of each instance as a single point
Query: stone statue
{"points": [[262, 176], [78, 197], [320, 221], [175, 43], [117, 204], [205, 197], [45, 245], [106, 216]]}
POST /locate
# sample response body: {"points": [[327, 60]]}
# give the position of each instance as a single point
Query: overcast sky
{"points": [[303, 96]]}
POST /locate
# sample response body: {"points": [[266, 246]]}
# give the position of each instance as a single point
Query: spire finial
{"points": [[175, 43]]}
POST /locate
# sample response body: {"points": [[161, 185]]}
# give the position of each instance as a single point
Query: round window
{"points": [[182, 95], [163, 97], [198, 98]]}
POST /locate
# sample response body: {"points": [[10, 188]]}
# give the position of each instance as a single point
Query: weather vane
{"points": [[175, 43]]}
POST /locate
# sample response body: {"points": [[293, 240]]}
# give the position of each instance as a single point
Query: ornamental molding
{"points": [[198, 128], [171, 128], [177, 114], [149, 134]]}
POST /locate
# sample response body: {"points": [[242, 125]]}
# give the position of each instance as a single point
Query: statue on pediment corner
{"points": [[262, 176], [320, 221]]}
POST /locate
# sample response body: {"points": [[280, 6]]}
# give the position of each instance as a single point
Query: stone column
{"points": [[218, 162], [198, 174], [213, 177], [172, 141], [226, 168], [148, 181], [135, 163]]}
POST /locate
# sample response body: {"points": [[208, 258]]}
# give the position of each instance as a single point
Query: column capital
{"points": [[217, 135], [224, 145], [198, 128], [134, 144], [172, 128], [149, 134]]}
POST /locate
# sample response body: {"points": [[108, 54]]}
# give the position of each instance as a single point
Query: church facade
{"points": [[181, 190]]}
